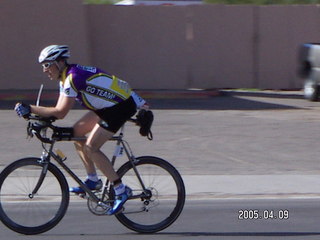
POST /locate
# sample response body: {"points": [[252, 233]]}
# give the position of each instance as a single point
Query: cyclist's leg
{"points": [[96, 139], [82, 127]]}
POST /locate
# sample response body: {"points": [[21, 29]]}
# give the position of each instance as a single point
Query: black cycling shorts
{"points": [[112, 118]]}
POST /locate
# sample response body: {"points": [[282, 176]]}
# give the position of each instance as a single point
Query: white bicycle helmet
{"points": [[52, 52]]}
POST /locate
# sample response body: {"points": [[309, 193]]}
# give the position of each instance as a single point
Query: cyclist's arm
{"points": [[59, 99], [64, 104], [140, 102]]}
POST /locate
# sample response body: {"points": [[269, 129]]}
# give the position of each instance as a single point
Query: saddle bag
{"points": [[144, 121]]}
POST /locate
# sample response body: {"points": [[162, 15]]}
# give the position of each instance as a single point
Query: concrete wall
{"points": [[159, 47], [280, 31], [27, 27]]}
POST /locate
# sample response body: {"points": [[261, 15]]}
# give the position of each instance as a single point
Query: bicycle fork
{"points": [[42, 176]]}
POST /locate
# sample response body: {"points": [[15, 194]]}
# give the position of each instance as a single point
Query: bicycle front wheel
{"points": [[160, 204], [28, 213]]}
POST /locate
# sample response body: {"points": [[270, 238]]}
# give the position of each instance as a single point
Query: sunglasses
{"points": [[47, 65]]}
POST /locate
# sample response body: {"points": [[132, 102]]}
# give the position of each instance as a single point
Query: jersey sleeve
{"points": [[68, 89], [137, 99]]}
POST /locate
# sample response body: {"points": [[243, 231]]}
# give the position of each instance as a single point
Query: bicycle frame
{"points": [[120, 144]]}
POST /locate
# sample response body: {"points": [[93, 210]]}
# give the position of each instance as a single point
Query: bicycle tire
{"points": [[27, 214], [168, 195]]}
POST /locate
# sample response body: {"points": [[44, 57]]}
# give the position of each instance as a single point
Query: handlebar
{"points": [[37, 126]]}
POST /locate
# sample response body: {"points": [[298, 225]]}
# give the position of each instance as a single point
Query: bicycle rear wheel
{"points": [[29, 214], [166, 192]]}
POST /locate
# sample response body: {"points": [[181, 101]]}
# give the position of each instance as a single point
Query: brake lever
{"points": [[29, 131]]}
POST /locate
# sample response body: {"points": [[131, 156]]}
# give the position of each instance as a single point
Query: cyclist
{"points": [[111, 101]]}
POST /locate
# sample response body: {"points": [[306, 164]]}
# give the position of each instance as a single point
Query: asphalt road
{"points": [[234, 151], [201, 220]]}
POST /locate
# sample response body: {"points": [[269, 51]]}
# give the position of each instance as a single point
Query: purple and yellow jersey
{"points": [[94, 88]]}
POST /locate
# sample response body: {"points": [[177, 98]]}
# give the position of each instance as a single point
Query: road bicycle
{"points": [[34, 192]]}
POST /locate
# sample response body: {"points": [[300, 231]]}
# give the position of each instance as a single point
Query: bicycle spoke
{"points": [[26, 213], [158, 206]]}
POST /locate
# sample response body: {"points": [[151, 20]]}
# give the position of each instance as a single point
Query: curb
{"points": [[174, 94]]}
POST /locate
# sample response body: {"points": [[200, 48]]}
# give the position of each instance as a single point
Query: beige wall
{"points": [[159, 47], [281, 30], [27, 27]]}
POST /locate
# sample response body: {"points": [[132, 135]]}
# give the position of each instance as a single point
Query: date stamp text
{"points": [[255, 214]]}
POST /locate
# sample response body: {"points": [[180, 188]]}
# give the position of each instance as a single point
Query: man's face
{"points": [[51, 69]]}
